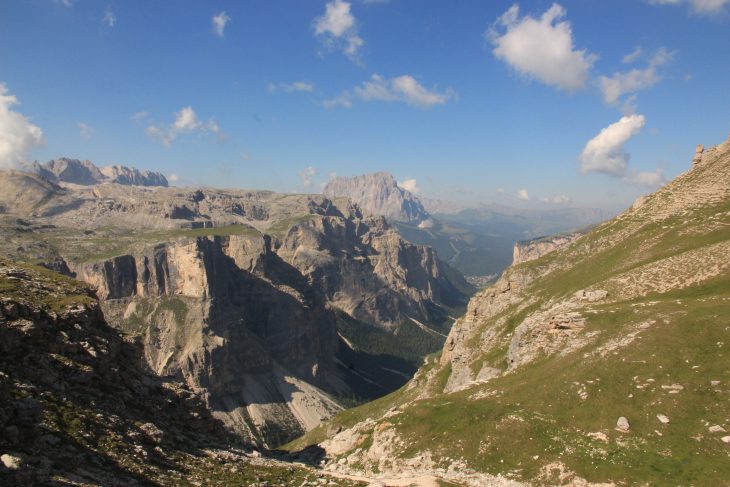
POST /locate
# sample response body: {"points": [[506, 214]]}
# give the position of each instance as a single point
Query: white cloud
{"points": [[17, 134], [337, 28], [173, 178], [403, 88], [605, 152], [541, 48], [523, 195], [109, 18], [344, 100], [306, 175], [558, 199], [614, 87], [65, 3], [702, 7], [708, 6], [650, 179], [632, 56], [186, 121], [219, 21], [140, 116], [85, 132], [290, 87], [410, 185]]}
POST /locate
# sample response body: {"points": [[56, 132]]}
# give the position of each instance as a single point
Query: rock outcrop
{"points": [[133, 176], [528, 250], [235, 322], [378, 194], [75, 171]]}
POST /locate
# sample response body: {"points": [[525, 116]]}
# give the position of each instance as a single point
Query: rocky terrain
{"points": [[528, 250], [79, 407], [378, 194], [602, 362], [277, 309], [75, 171]]}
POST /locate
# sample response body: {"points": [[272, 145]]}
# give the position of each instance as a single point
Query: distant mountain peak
{"points": [[85, 172], [378, 194]]}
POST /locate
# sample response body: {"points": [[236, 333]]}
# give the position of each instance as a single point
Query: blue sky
{"points": [[473, 100]]}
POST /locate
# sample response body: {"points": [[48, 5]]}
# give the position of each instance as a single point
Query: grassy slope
{"points": [[525, 420]]}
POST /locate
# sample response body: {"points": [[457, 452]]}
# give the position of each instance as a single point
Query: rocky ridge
{"points": [[75, 171], [613, 328], [378, 194], [527, 250]]}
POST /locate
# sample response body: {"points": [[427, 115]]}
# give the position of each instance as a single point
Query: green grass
{"points": [[534, 416], [279, 228]]}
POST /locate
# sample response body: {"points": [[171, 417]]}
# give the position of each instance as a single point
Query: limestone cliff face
{"points": [[378, 194], [363, 267], [528, 250], [236, 323]]}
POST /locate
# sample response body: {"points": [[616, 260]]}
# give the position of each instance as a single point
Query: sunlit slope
{"points": [[632, 320]]}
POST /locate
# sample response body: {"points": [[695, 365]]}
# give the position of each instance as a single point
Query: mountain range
{"points": [[279, 309]]}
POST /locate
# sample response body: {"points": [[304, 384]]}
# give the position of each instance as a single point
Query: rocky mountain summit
{"points": [[601, 362], [277, 309], [85, 173], [378, 194]]}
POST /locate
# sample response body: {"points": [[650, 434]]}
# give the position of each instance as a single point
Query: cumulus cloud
{"points": [[109, 18], [619, 84], [337, 28], [85, 132], [186, 121], [702, 7], [523, 195], [403, 88], [410, 185], [541, 48], [17, 134], [605, 152], [219, 21], [173, 178], [306, 175], [290, 87]]}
